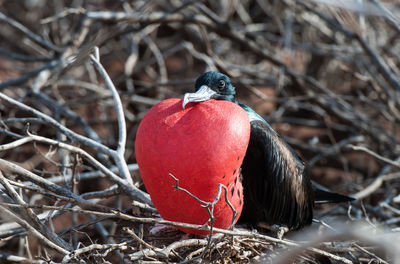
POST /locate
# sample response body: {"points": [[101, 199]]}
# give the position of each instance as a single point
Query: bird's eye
{"points": [[221, 84]]}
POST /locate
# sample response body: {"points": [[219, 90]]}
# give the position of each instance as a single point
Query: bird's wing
{"points": [[324, 195], [275, 185]]}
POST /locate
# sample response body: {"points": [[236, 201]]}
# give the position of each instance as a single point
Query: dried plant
{"points": [[326, 76]]}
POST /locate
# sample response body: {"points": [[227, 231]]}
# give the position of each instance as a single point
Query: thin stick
{"points": [[26, 225]]}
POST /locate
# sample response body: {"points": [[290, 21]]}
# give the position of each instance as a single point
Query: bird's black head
{"points": [[211, 85], [219, 83]]}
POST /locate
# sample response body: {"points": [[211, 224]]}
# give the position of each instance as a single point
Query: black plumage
{"points": [[277, 189]]}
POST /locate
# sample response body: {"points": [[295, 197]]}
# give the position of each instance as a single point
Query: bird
{"points": [[192, 154], [277, 191]]}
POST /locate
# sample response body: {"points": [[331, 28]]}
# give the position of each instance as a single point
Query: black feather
{"points": [[276, 187], [326, 196]]}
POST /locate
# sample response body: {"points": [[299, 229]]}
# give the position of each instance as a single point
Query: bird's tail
{"points": [[323, 196]]}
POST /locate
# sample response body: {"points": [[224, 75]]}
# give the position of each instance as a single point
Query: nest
{"points": [[77, 79]]}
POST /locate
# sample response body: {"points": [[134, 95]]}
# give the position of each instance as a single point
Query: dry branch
{"points": [[326, 76]]}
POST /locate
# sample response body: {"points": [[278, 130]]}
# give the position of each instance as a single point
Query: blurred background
{"points": [[325, 74]]}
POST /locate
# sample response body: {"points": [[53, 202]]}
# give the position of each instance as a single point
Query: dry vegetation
{"points": [[327, 78]]}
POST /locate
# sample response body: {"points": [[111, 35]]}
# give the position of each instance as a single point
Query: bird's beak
{"points": [[203, 94]]}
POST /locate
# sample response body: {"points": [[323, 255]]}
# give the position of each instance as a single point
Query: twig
{"points": [[378, 61], [370, 152], [18, 259], [125, 184], [119, 154], [137, 238], [11, 167], [164, 253], [94, 247], [20, 80], [26, 225], [371, 254], [375, 185], [29, 33], [43, 229]]}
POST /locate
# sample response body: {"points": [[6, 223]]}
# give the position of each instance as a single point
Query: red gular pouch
{"points": [[202, 146]]}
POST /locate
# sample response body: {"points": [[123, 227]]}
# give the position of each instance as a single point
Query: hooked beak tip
{"points": [[203, 94], [185, 101]]}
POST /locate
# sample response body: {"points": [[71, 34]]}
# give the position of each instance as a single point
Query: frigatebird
{"points": [[277, 189]]}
